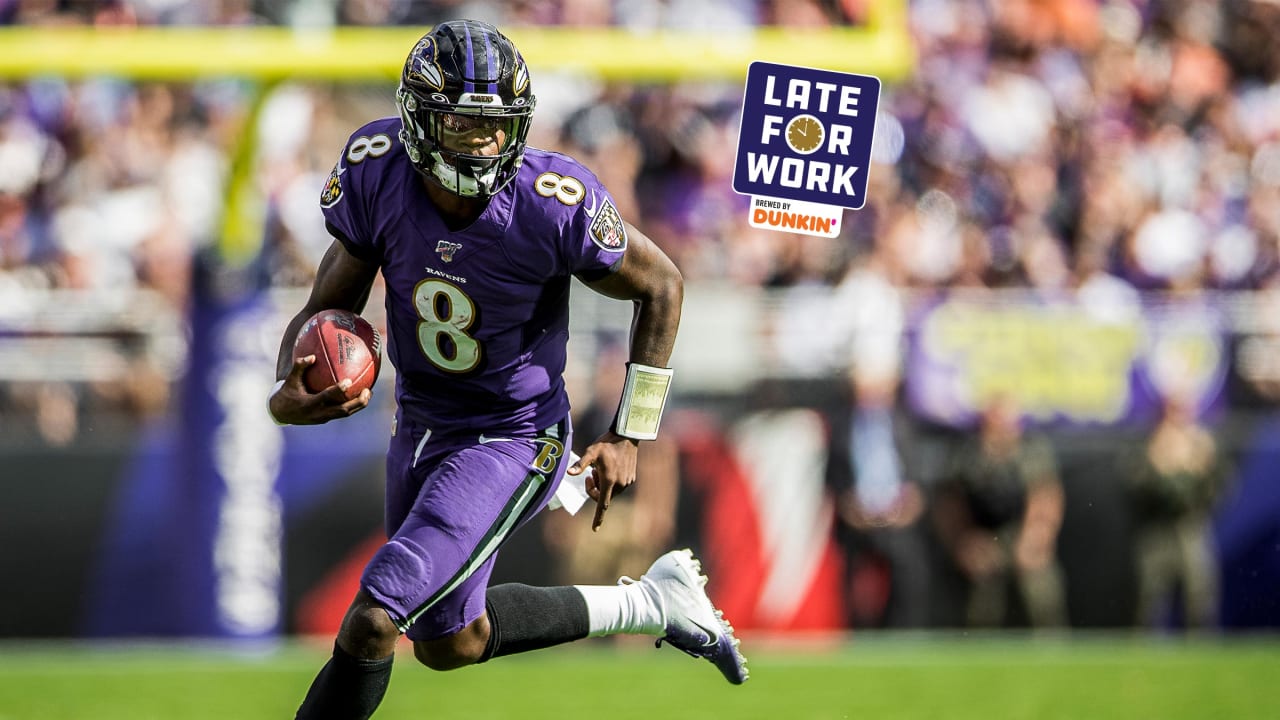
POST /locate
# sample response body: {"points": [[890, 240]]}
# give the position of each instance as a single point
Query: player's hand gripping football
{"points": [[293, 404], [614, 459]]}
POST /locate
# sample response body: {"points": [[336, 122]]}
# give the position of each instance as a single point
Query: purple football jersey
{"points": [[477, 319]]}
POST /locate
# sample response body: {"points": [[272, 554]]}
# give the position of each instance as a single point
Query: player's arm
{"points": [[648, 278], [342, 282]]}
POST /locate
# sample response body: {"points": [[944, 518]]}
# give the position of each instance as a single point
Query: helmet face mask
{"points": [[465, 103]]}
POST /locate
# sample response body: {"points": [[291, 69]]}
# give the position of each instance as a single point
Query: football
{"points": [[346, 347]]}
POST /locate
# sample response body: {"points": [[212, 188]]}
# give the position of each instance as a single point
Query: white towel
{"points": [[572, 493]]}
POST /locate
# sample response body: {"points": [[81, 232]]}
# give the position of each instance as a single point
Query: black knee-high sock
{"points": [[347, 688], [524, 618]]}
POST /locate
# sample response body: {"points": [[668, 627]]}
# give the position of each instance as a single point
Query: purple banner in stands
{"points": [[1064, 362]]}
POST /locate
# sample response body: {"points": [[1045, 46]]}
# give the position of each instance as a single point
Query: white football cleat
{"points": [[693, 624]]}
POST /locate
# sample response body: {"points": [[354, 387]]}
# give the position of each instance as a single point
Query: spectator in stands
{"points": [[882, 501], [997, 513], [1173, 487]]}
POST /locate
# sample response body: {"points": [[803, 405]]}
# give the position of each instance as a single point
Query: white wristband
{"points": [[643, 399], [274, 389]]}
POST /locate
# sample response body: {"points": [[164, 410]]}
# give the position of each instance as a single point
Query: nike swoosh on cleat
{"points": [[711, 634]]}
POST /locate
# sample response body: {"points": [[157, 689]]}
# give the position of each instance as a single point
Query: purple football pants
{"points": [[452, 501]]}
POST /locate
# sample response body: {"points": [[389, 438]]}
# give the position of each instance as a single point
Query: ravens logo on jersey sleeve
{"points": [[332, 188]]}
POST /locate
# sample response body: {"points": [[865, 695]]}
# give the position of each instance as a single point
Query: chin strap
{"points": [[464, 184], [643, 399]]}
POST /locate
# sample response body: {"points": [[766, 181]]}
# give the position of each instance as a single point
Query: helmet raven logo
{"points": [[423, 67], [521, 79]]}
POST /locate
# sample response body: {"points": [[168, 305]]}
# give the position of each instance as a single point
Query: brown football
{"points": [[346, 347]]}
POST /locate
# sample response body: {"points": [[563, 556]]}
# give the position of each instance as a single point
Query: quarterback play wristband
{"points": [[643, 398]]}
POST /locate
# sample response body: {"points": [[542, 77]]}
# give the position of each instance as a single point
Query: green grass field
{"points": [[878, 677]]}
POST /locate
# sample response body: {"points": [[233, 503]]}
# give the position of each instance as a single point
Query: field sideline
{"points": [[876, 676]]}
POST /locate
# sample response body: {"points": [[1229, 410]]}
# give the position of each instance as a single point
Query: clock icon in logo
{"points": [[805, 134]]}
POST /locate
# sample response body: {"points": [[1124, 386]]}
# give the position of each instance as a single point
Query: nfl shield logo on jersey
{"points": [[447, 249]]}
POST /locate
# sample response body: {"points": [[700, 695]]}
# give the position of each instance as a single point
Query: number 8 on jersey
{"points": [[446, 313]]}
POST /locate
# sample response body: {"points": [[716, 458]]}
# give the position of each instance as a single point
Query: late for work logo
{"points": [[804, 146]]}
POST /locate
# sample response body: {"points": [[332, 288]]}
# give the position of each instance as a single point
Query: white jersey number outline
{"points": [[568, 190], [368, 147]]}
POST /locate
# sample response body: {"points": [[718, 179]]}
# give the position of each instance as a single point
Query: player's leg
{"points": [[503, 484], [450, 503], [465, 647], [513, 618], [463, 622], [431, 575], [669, 602], [352, 683], [474, 624]]}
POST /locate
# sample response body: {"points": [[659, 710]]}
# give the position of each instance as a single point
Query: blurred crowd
{"points": [[1052, 144], [1099, 147]]}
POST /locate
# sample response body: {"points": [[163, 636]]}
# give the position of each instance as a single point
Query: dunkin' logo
{"points": [[796, 216]]}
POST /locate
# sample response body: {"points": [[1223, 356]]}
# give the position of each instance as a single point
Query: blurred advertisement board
{"points": [[1064, 362]]}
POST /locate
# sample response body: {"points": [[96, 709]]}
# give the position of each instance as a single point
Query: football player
{"points": [[477, 238]]}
